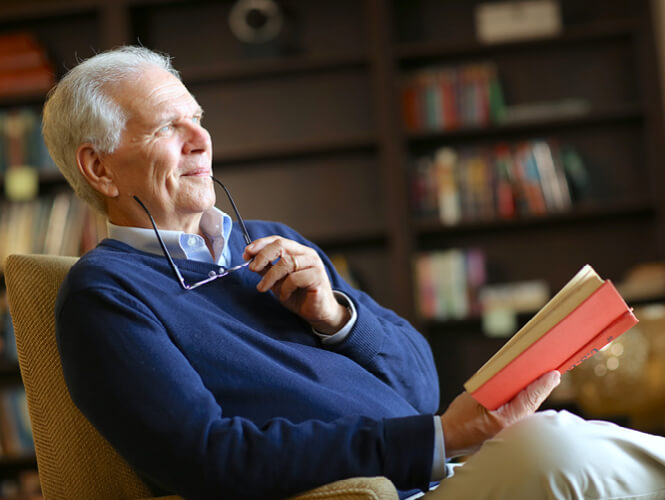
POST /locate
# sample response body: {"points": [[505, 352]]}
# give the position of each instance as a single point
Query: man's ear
{"points": [[94, 169]]}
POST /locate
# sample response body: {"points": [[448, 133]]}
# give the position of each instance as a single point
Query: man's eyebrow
{"points": [[171, 117]]}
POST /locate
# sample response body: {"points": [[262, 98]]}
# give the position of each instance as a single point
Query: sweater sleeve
{"points": [[390, 348], [138, 389], [385, 344]]}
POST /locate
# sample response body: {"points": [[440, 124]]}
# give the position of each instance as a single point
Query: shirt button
{"points": [[191, 241]]}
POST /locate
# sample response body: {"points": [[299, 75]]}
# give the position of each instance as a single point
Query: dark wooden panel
{"points": [[312, 27], [279, 111], [615, 159], [322, 198], [600, 71], [453, 22], [457, 357], [371, 270]]}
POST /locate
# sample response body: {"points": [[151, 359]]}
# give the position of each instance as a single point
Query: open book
{"points": [[584, 316]]}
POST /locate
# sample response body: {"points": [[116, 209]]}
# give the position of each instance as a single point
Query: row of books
{"points": [[24, 486], [15, 429], [452, 284], [25, 68], [498, 182], [447, 98], [21, 141], [447, 283], [7, 340], [60, 225]]}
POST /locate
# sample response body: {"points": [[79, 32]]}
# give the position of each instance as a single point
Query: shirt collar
{"points": [[215, 225]]}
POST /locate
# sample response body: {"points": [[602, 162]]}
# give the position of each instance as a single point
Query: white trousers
{"points": [[557, 455]]}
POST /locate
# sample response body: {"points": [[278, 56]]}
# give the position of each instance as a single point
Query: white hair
{"points": [[79, 110]]}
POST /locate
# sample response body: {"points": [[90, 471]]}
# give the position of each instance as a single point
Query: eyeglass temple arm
{"points": [[245, 233], [163, 245]]}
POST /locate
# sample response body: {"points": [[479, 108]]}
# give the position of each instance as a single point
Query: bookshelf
{"points": [[309, 130], [614, 136]]}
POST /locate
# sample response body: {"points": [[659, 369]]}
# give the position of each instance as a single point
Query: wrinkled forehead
{"points": [[152, 94]]}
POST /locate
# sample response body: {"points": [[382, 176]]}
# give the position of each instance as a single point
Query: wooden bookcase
{"points": [[604, 55], [309, 131]]}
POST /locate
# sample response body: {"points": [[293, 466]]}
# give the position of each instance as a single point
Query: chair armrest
{"points": [[357, 488], [170, 497]]}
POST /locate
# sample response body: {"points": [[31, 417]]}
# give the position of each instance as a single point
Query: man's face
{"points": [[164, 156]]}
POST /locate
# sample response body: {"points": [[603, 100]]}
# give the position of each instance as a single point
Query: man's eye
{"points": [[165, 129], [196, 119]]}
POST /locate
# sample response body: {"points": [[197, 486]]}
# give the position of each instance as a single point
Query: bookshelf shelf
{"points": [[31, 99], [355, 241], [614, 115], [468, 326], [225, 72], [9, 373], [16, 12], [50, 176], [409, 52], [12, 465], [8, 367], [589, 214], [289, 151]]}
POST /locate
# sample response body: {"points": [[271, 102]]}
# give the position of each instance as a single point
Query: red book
{"points": [[410, 105], [583, 317], [20, 51], [26, 81]]}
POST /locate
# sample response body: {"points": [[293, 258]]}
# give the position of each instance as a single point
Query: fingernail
{"points": [[557, 377]]}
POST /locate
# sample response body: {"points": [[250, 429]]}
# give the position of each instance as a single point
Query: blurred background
{"points": [[459, 160]]}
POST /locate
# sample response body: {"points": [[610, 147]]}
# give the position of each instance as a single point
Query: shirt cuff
{"points": [[439, 469], [340, 335]]}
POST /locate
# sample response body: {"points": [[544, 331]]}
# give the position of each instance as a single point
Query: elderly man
{"points": [[232, 361]]}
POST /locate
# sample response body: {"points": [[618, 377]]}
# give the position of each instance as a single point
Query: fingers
{"points": [[466, 424], [277, 258], [536, 392], [541, 388], [257, 245], [530, 399]]}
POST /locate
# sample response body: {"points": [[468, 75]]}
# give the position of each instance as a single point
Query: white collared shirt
{"points": [[215, 224]]}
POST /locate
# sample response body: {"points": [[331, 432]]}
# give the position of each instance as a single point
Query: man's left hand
{"points": [[297, 277]]}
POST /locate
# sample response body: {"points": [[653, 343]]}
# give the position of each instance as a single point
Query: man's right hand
{"points": [[467, 424]]}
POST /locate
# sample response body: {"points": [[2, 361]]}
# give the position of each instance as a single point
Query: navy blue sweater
{"points": [[220, 392]]}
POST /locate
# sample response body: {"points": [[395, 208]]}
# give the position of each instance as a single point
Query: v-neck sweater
{"points": [[221, 392]]}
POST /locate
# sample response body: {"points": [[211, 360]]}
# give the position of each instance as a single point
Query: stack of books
{"points": [[57, 225], [499, 182], [15, 428], [24, 66], [448, 282], [448, 98]]}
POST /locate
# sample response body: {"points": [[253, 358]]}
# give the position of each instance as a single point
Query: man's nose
{"points": [[198, 139]]}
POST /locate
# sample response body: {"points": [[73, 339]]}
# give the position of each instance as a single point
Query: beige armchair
{"points": [[75, 462]]}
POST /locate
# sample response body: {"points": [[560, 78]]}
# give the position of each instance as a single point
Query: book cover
{"points": [[581, 318], [27, 80]]}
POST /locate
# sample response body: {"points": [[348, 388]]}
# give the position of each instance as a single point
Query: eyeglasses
{"points": [[212, 275]]}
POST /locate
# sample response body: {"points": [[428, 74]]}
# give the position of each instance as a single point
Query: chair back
{"points": [[74, 460]]}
